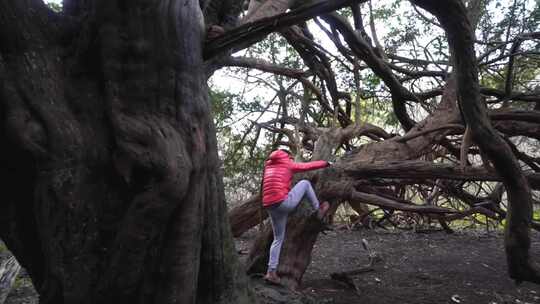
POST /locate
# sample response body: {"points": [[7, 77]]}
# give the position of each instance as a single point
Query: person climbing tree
{"points": [[279, 199]]}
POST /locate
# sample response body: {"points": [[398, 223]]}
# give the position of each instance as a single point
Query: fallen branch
{"points": [[345, 276], [373, 199]]}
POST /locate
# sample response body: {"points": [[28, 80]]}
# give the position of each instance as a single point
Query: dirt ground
{"points": [[415, 268]]}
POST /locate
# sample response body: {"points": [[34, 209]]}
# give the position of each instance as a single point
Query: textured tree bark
{"points": [[303, 227], [110, 168], [418, 170], [243, 36], [246, 215], [9, 269]]}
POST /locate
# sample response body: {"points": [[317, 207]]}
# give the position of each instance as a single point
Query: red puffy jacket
{"points": [[278, 172]]}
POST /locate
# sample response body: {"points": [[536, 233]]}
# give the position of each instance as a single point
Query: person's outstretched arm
{"points": [[299, 167]]}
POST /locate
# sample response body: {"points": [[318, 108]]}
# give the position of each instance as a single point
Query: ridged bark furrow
{"points": [[111, 160]]}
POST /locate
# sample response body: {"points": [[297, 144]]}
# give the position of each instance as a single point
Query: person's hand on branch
{"points": [[214, 31]]}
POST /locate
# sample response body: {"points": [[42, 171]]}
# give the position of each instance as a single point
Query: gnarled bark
{"points": [[249, 33], [110, 167], [246, 215]]}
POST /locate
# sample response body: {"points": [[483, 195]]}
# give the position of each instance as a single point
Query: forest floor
{"points": [[415, 268]]}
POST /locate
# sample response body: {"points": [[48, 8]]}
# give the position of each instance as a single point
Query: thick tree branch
{"points": [[517, 96], [388, 203], [518, 128], [411, 135], [246, 214], [509, 80], [517, 115], [417, 74], [421, 170], [392, 203], [249, 33], [417, 61], [518, 40], [263, 65]]}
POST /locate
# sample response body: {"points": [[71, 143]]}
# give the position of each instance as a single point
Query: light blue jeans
{"points": [[279, 214]]}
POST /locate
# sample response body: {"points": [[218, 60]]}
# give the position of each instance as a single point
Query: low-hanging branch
{"points": [[530, 116], [432, 211], [263, 65], [388, 203], [499, 94]]}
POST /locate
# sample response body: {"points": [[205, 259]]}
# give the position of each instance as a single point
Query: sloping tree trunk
{"points": [[111, 188], [247, 215]]}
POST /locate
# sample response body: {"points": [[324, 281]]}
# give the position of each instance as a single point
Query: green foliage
{"points": [[536, 215], [222, 106], [492, 80], [21, 282], [242, 157], [3, 247]]}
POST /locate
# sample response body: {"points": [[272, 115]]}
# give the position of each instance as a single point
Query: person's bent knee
{"points": [[305, 182]]}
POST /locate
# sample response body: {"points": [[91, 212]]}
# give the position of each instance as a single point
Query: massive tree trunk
{"points": [[111, 188]]}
